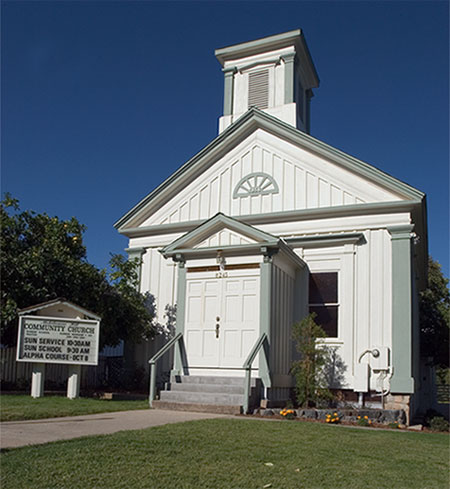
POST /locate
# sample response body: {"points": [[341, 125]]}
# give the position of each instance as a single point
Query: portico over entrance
{"points": [[235, 283]]}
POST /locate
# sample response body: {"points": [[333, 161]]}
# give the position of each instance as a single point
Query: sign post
{"points": [[68, 341], [37, 380], [73, 381]]}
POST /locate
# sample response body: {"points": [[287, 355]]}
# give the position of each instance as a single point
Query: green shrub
{"points": [[311, 385], [395, 425], [439, 423]]}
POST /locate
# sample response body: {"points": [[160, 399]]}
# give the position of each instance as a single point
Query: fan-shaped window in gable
{"points": [[255, 184]]}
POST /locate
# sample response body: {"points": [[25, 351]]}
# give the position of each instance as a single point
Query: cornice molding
{"points": [[277, 217]]}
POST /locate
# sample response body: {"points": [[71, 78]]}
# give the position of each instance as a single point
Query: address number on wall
{"points": [[221, 274]]}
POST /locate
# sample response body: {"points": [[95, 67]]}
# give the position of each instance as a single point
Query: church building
{"points": [[267, 224]]}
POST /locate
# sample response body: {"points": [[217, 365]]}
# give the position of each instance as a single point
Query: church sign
{"points": [[58, 340]]}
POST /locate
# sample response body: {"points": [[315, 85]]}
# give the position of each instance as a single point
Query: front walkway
{"points": [[32, 432]]}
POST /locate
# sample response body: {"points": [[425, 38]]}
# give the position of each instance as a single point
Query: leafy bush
{"points": [[311, 384], [439, 423], [395, 425]]}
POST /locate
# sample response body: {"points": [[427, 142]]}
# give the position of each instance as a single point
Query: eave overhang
{"points": [[266, 249], [324, 240], [278, 41]]}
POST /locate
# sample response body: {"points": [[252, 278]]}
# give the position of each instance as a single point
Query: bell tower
{"points": [[275, 74]]}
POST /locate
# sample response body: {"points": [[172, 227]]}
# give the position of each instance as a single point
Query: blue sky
{"points": [[101, 101]]}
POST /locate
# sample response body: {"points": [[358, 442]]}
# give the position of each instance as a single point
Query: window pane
{"points": [[326, 317], [323, 288]]}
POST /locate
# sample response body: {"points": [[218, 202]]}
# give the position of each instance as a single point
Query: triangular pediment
{"points": [[225, 237], [261, 165], [219, 232]]}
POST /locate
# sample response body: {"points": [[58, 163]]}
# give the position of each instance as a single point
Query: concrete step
{"points": [[199, 408], [206, 379], [208, 388], [202, 398], [208, 394]]}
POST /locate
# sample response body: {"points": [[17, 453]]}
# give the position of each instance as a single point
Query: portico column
{"points": [[402, 381], [181, 310], [265, 311]]}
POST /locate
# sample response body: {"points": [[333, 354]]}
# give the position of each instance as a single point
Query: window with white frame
{"points": [[324, 301]]}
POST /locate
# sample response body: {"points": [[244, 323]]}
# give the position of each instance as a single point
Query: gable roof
{"points": [[252, 120], [183, 247], [54, 302], [216, 223]]}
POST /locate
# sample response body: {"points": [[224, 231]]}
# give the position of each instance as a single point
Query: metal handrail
{"points": [[177, 338], [260, 343]]}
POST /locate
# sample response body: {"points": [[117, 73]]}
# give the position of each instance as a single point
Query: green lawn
{"points": [[234, 453], [16, 408]]}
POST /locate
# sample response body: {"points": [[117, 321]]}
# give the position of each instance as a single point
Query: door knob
{"points": [[217, 318], [217, 330]]}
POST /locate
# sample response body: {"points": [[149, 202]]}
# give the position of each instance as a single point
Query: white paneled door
{"points": [[222, 318]]}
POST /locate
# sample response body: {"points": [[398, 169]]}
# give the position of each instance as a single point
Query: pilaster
{"points": [[228, 90], [402, 381], [289, 64]]}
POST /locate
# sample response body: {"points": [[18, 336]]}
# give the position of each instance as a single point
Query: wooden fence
{"points": [[19, 373]]}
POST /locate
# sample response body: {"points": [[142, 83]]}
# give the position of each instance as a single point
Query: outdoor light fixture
{"points": [[220, 260]]}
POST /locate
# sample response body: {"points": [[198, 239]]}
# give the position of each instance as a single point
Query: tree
{"points": [[435, 316], [44, 257], [311, 384]]}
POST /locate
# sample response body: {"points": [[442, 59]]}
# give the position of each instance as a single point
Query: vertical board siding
{"points": [[281, 323], [387, 289], [158, 279], [224, 238], [376, 287], [300, 187], [365, 296]]}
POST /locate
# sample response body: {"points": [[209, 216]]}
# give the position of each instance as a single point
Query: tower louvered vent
{"points": [[258, 89]]}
